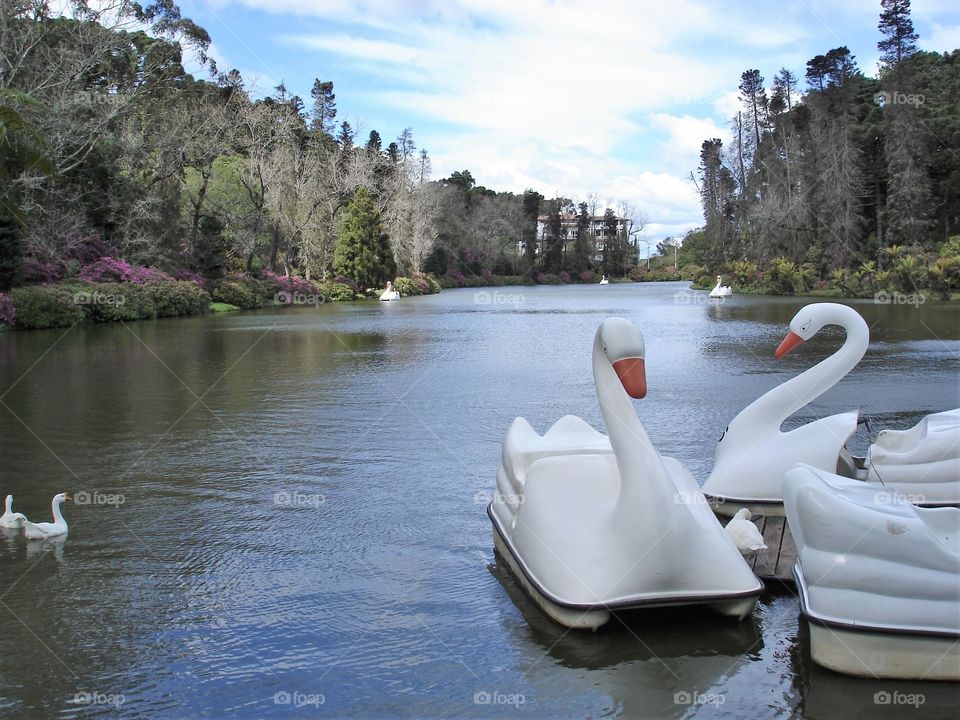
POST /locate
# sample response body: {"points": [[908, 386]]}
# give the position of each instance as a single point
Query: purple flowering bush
{"points": [[37, 272], [110, 269], [190, 276], [8, 313]]}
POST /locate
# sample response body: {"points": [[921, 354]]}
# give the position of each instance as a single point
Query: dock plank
{"points": [[777, 561]]}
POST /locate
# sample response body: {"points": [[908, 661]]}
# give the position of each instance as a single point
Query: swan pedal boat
{"points": [[878, 578], [390, 293], [753, 455], [719, 290], [589, 524]]}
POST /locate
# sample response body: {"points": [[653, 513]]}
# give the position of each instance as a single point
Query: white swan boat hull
{"points": [[388, 295], [922, 462], [878, 578], [591, 523], [593, 616]]}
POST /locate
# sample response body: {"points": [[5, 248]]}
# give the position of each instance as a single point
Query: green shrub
{"points": [[433, 284], [173, 298], [39, 307], [235, 292], [336, 292], [112, 302], [407, 286]]}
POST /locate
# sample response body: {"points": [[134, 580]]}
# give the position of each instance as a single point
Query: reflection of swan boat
{"points": [[878, 578], [390, 293], [818, 692], [720, 290], [586, 530], [753, 454]]}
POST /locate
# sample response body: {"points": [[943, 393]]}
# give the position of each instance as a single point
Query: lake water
{"points": [[285, 510]]}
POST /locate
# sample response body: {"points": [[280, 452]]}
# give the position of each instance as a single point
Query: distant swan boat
{"points": [[721, 290], [390, 293]]}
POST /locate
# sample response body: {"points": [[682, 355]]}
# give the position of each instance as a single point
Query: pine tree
{"points": [[324, 113], [583, 247], [374, 143], [553, 240], [345, 136], [784, 92], [363, 250], [528, 229], [899, 40]]}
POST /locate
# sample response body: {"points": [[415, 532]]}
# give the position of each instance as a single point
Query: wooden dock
{"points": [[777, 561]]}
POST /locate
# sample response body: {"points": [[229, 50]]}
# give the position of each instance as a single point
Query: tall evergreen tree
{"points": [[324, 113], [899, 40], [553, 240], [530, 211], [345, 136], [374, 143], [583, 247], [363, 250]]}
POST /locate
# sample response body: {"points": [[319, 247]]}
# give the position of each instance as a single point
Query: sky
{"points": [[568, 97]]}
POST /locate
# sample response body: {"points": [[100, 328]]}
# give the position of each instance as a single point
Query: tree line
{"points": [[108, 147], [850, 172]]}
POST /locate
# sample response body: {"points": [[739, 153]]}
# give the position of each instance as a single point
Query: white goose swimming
{"points": [[10, 519], [753, 454], [721, 290], [587, 530], [43, 530]]}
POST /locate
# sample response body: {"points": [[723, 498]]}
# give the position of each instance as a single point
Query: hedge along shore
{"points": [[63, 304]]}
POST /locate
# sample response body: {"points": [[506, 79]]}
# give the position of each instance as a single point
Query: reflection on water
{"points": [[303, 508]]}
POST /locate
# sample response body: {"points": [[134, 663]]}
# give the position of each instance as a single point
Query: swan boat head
{"points": [[753, 454], [622, 344]]}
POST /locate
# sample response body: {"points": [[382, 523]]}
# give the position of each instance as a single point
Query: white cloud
{"points": [[555, 94], [942, 38], [685, 136]]}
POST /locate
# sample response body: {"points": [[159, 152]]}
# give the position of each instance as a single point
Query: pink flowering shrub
{"points": [[8, 313], [586, 276], [564, 276], [37, 272], [109, 269], [190, 276]]}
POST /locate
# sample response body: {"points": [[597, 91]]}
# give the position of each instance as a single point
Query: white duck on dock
{"points": [[745, 534]]}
